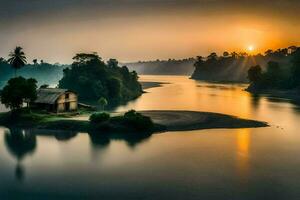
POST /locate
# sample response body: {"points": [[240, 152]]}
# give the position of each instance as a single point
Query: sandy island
{"points": [[192, 120], [177, 120]]}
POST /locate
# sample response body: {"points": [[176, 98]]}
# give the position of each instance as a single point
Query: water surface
{"points": [[260, 163]]}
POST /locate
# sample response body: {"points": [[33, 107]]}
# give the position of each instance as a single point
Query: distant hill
{"points": [[163, 67]]}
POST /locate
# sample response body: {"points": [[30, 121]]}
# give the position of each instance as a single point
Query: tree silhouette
{"points": [[255, 74], [17, 59], [34, 61]]}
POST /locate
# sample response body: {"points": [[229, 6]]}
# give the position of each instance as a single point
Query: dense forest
{"points": [[277, 75], [94, 79], [233, 67], [43, 72], [163, 67]]}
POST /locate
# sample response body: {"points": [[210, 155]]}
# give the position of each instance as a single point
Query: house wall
{"points": [[72, 100]]}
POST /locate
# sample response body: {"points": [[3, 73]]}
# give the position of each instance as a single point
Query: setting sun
{"points": [[250, 48]]}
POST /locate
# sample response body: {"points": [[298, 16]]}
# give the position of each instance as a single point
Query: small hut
{"points": [[56, 100]]}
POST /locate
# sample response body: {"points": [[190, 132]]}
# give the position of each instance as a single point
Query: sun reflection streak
{"points": [[243, 146]]}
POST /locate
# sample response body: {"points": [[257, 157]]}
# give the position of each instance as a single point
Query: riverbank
{"points": [[148, 85], [293, 95]]}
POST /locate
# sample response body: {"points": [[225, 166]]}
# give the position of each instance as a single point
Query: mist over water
{"points": [[259, 163]]}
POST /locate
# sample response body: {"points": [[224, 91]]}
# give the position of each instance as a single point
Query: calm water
{"points": [[233, 164]]}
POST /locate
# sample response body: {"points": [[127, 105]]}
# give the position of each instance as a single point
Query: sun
{"points": [[250, 48]]}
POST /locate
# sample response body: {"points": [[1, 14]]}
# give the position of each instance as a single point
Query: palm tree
{"points": [[17, 59]]}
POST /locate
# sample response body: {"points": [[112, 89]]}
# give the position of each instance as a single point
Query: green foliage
{"points": [[92, 79], [103, 102], [138, 121], [17, 59], [18, 91], [113, 63], [98, 118]]}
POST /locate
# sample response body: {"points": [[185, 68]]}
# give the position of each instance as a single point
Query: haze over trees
{"points": [[44, 73], [93, 79], [276, 75], [163, 67], [234, 66]]}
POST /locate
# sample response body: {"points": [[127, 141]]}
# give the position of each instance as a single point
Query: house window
{"points": [[67, 96]]}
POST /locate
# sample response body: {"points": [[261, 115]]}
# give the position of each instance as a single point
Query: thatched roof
{"points": [[49, 95]]}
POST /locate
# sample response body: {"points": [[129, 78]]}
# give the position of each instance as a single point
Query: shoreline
{"points": [[164, 120], [292, 95], [148, 84]]}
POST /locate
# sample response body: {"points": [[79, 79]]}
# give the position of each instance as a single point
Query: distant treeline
{"points": [[233, 67], [43, 72], [163, 67]]}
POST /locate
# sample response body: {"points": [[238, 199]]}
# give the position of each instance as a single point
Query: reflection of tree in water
{"points": [[100, 140], [20, 143], [64, 135], [255, 100]]}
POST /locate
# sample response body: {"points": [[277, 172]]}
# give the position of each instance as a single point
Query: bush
{"points": [[99, 117], [138, 121]]}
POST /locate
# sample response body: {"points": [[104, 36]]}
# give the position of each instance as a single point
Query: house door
{"points": [[67, 106]]}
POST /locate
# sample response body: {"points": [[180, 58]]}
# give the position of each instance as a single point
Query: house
{"points": [[56, 100]]}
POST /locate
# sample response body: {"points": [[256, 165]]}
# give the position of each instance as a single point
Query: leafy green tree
{"points": [[18, 91], [103, 102], [92, 79], [17, 59]]}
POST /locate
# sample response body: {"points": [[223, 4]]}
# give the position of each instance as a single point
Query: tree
{"points": [[274, 75], [84, 58], [225, 54], [103, 102], [17, 59], [296, 67], [234, 54], [212, 56], [2, 60], [255, 74], [269, 52], [113, 63], [18, 91], [34, 61], [92, 79]]}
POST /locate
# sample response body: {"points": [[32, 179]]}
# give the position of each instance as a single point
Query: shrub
{"points": [[99, 117], [138, 121]]}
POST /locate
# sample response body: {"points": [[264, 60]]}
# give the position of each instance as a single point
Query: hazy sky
{"points": [[131, 30]]}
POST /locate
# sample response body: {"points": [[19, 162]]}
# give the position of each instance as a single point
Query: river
{"points": [[258, 163]]}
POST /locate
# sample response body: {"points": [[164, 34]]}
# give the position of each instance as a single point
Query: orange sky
{"points": [[148, 31]]}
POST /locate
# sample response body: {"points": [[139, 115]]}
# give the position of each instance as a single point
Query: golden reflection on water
{"points": [[243, 154]]}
